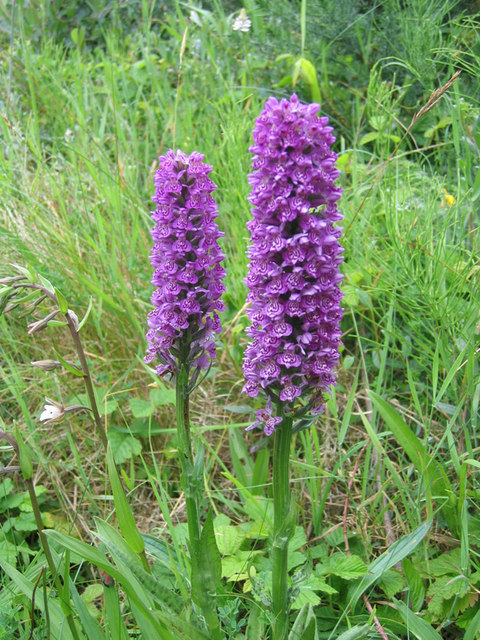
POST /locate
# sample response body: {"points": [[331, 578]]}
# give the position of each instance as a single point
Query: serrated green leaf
{"points": [[348, 567], [391, 583]]}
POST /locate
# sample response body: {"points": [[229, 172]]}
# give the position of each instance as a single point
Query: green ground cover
{"points": [[387, 481]]}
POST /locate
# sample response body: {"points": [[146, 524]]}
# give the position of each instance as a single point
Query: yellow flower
{"points": [[449, 199]]}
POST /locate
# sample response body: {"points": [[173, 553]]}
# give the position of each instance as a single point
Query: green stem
{"points": [[88, 380], [282, 526], [186, 456], [189, 485]]}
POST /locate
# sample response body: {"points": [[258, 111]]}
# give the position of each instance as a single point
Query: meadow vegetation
{"points": [[387, 480]]}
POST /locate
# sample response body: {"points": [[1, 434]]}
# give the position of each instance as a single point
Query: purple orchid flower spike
{"points": [[293, 277], [186, 258]]}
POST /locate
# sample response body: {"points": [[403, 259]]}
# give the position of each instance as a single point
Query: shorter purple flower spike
{"points": [[187, 266], [293, 277]]}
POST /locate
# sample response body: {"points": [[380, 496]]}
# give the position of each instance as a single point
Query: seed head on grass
{"points": [[293, 277], [187, 265]]}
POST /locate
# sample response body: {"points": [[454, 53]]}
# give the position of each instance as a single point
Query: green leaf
{"points": [[113, 615], [206, 566], [368, 137], [87, 313], [124, 514], [391, 583], [130, 565], [46, 283], [255, 625], [396, 553], [305, 625], [416, 626], [473, 628], [348, 567], [229, 539], [58, 626], [358, 632], [69, 367], [141, 408], [123, 446], [162, 395], [89, 624], [62, 301], [416, 586], [261, 470]]}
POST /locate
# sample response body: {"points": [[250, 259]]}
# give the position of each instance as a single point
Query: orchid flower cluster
{"points": [[293, 275]]}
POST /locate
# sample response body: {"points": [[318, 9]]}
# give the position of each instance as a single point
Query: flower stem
{"points": [[282, 525], [190, 486], [186, 456], [88, 380]]}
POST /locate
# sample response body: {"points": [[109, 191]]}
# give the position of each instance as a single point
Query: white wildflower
{"points": [[242, 22], [52, 411]]}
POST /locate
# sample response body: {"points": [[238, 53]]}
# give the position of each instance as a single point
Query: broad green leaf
{"points": [[129, 562], [124, 514], [416, 626], [255, 625], [348, 567], [368, 137]]}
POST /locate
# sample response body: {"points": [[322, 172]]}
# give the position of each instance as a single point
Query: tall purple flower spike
{"points": [[187, 265], [293, 277]]}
